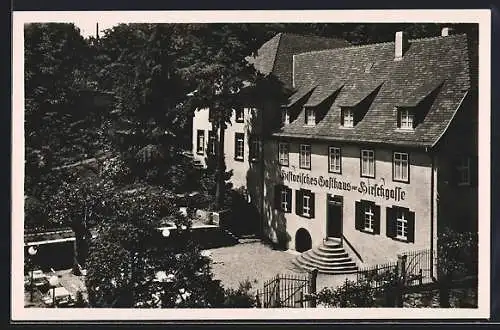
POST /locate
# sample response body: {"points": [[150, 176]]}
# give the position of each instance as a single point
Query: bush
{"points": [[240, 298]]}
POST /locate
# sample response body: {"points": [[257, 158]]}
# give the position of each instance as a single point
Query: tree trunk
{"points": [[221, 166]]}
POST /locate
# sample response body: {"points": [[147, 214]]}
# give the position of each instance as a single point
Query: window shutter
{"points": [[411, 227], [390, 222], [376, 220], [289, 198], [235, 145], [342, 117], [311, 201], [454, 177], [298, 202], [358, 221], [277, 197]]}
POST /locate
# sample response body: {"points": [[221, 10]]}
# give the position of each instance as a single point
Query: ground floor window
{"points": [[200, 141], [304, 204], [367, 217], [239, 146], [211, 142], [401, 224], [283, 198]]}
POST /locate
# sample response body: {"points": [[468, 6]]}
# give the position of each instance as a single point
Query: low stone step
{"points": [[326, 270], [331, 249], [330, 254], [328, 262]]}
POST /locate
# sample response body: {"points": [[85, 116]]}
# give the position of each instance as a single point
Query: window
{"points": [[285, 116], [305, 156], [406, 118], [310, 116], [367, 217], [211, 142], [400, 167], [254, 150], [283, 198], [200, 141], [283, 153], [240, 115], [463, 171], [304, 204], [368, 163], [334, 160], [401, 224], [348, 117], [239, 146]]}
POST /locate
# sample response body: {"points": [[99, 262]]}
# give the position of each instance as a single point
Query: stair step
{"points": [[317, 263], [326, 270], [330, 254], [331, 249], [323, 261]]}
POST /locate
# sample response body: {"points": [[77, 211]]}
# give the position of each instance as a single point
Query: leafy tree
{"points": [[132, 265]]}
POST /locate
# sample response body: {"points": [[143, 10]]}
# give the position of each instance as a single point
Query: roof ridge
{"points": [[380, 43], [275, 56]]}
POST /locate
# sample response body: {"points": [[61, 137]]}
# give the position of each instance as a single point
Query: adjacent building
{"points": [[376, 147]]}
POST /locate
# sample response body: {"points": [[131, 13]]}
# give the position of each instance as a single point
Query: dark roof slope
{"points": [[276, 55], [425, 64]]}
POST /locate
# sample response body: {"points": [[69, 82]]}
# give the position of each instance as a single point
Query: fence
{"points": [[288, 291]]}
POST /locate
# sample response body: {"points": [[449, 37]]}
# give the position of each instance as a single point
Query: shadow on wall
{"points": [[264, 174]]}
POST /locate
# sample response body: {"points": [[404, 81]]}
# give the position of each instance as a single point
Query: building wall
{"points": [[372, 248], [245, 173]]}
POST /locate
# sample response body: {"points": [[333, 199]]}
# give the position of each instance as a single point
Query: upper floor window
{"points": [[310, 116], [401, 168], [406, 118], [368, 163], [240, 115], [254, 149], [285, 116], [334, 160], [463, 169], [239, 146], [347, 117], [200, 141], [283, 153], [305, 156]]}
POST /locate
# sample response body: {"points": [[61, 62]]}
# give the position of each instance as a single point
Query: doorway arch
{"points": [[303, 240]]}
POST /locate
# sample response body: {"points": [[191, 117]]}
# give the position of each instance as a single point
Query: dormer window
{"points": [[285, 116], [310, 117], [406, 118], [347, 117]]}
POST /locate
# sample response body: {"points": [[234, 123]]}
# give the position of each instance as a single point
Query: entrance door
{"points": [[334, 216]]}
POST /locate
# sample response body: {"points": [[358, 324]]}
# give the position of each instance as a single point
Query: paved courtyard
{"points": [[258, 262]]}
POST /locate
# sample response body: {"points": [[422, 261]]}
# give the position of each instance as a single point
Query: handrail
{"points": [[352, 247]]}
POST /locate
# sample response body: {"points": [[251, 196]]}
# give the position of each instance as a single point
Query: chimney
{"points": [[446, 31], [401, 45], [97, 30]]}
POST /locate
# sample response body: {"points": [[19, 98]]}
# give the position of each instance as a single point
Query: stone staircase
{"points": [[328, 258]]}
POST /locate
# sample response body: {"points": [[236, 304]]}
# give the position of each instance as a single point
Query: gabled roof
{"points": [[276, 55], [425, 63]]}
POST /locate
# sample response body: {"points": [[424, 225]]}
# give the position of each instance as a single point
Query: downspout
{"points": [[433, 183]]}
